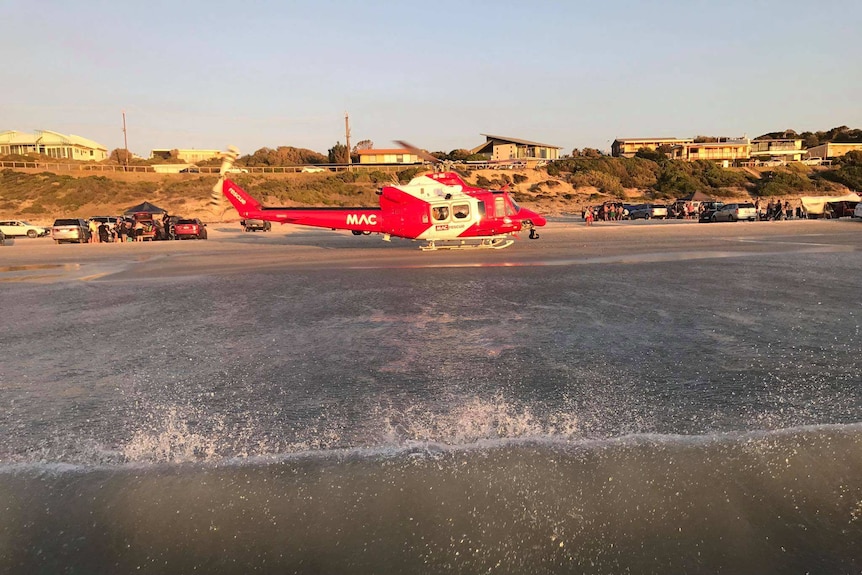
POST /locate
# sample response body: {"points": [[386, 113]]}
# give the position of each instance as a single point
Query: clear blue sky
{"points": [[193, 74]]}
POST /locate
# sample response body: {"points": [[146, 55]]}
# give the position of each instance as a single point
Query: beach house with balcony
{"points": [[628, 147]]}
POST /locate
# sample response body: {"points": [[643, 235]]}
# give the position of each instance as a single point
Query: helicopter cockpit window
{"points": [[514, 207], [440, 213], [461, 211]]}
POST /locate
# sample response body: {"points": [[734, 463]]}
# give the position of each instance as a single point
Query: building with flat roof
{"points": [[502, 148], [785, 150], [388, 156], [726, 151], [628, 147], [51, 144], [833, 149], [190, 156]]}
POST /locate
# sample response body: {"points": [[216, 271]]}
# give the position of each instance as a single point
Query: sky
{"points": [[191, 74]]}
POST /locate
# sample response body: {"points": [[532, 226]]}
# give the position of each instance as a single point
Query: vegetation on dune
{"points": [[47, 193], [572, 180], [840, 134], [280, 156], [847, 172], [661, 178]]}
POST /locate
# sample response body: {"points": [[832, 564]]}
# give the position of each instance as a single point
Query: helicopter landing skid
{"points": [[476, 243]]}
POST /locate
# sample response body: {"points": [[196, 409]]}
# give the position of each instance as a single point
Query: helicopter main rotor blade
{"points": [[420, 153]]}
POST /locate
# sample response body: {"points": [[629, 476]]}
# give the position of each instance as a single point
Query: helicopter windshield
{"points": [[513, 208]]}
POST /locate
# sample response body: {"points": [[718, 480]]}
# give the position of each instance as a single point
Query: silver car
{"points": [[72, 230], [735, 212], [647, 211]]}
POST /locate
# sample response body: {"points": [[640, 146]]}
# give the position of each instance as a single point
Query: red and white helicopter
{"points": [[439, 208]]}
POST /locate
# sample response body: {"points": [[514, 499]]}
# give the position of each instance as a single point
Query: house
{"points": [[833, 149], [388, 156], [501, 149], [727, 151], [52, 144], [190, 156], [785, 150], [628, 147]]}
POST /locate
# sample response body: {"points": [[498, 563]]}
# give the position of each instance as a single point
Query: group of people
{"points": [[771, 210], [607, 212], [778, 211], [131, 230]]}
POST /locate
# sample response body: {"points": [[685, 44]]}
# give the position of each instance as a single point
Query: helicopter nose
{"points": [[535, 218]]}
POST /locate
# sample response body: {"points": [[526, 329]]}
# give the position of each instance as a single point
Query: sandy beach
{"points": [[562, 242]]}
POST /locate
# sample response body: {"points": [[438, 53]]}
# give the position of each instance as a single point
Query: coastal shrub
{"points": [[404, 176], [379, 177], [848, 175], [519, 178], [714, 176], [606, 183], [782, 183], [639, 173], [36, 209], [676, 179]]}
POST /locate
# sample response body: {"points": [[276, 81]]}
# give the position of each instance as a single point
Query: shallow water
{"points": [[664, 414]]}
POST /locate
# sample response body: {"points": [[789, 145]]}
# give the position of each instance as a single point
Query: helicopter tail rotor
{"points": [[228, 158]]}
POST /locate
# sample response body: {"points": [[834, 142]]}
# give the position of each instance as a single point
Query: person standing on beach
{"points": [[93, 226]]}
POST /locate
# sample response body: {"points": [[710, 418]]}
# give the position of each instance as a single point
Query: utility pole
{"points": [[347, 136], [126, 143]]}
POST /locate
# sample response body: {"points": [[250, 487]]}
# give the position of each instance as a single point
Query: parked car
{"points": [[190, 229], [236, 171], [191, 170], [72, 230], [13, 228], [146, 228], [312, 170], [735, 212], [840, 209], [255, 225], [857, 211], [647, 211], [709, 209]]}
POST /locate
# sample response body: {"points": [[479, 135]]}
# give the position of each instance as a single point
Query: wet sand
{"points": [[230, 250]]}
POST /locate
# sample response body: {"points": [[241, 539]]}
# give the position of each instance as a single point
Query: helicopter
{"points": [[438, 208]]}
